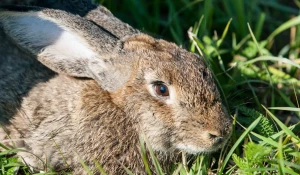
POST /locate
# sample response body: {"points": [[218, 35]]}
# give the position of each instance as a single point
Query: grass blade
{"points": [[259, 25], [144, 156], [254, 39], [100, 168], [236, 144], [154, 159], [272, 58], [219, 42], [290, 23], [280, 157], [286, 109], [85, 167], [281, 125]]}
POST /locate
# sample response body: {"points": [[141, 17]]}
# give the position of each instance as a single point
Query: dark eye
{"points": [[161, 90], [204, 73]]}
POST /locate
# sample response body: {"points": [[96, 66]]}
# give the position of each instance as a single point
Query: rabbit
{"points": [[89, 87]]}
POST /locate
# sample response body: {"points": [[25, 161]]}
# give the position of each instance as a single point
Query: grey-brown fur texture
{"points": [[83, 87]]}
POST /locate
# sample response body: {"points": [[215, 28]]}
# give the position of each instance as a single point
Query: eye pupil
{"points": [[161, 90]]}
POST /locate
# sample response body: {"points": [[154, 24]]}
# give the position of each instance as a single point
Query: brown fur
{"points": [[99, 113]]}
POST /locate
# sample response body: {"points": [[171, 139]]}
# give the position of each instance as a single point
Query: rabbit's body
{"points": [[73, 113], [55, 106], [100, 134], [73, 89]]}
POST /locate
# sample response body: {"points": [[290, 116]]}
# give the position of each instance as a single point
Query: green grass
{"points": [[253, 48]]}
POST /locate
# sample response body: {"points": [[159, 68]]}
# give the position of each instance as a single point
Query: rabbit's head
{"points": [[173, 97], [168, 92]]}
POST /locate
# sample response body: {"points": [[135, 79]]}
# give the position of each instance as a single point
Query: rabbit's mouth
{"points": [[191, 149], [208, 146]]}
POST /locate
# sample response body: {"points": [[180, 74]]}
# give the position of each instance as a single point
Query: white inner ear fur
{"points": [[151, 77], [54, 44], [61, 48], [42, 31], [69, 46]]}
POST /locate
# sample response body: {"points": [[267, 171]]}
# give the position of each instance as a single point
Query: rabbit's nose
{"points": [[216, 137]]}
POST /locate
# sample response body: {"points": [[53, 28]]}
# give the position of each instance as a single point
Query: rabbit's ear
{"points": [[62, 42], [105, 18]]}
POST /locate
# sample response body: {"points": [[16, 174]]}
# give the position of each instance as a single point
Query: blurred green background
{"points": [[171, 19]]}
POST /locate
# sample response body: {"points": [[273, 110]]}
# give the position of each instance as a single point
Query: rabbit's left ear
{"points": [[65, 43], [107, 20]]}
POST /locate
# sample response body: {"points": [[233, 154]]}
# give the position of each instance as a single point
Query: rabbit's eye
{"points": [[204, 73], [161, 90]]}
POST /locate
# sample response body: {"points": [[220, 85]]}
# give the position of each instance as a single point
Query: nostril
{"points": [[214, 134], [216, 139]]}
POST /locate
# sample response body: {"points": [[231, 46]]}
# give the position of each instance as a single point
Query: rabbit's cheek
{"points": [[155, 126]]}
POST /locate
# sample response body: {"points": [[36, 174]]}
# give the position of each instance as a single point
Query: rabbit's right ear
{"points": [[65, 43]]}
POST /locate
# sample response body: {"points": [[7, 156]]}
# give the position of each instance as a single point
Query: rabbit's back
{"points": [[37, 106], [51, 112], [32, 95], [19, 73]]}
